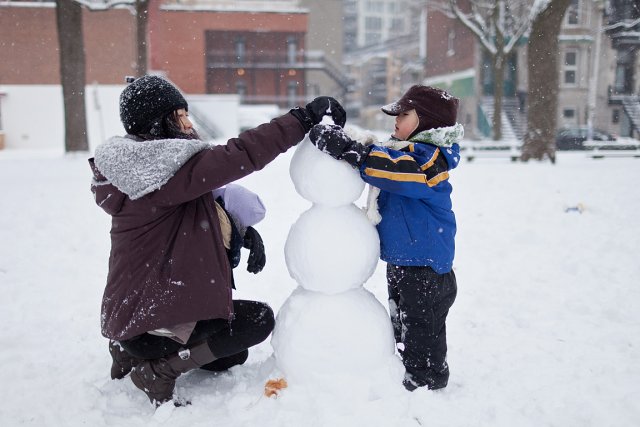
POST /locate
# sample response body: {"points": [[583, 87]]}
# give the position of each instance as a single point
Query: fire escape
{"points": [[290, 63], [623, 27]]}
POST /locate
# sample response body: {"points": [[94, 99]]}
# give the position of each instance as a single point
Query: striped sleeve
{"points": [[405, 172], [436, 169]]}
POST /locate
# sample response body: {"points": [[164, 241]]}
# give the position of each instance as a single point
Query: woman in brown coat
{"points": [[167, 306]]}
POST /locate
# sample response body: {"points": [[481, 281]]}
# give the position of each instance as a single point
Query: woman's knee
{"points": [[257, 316], [266, 320]]}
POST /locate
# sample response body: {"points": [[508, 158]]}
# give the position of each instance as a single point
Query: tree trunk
{"points": [[498, 92], [497, 62], [542, 95], [142, 18], [72, 74]]}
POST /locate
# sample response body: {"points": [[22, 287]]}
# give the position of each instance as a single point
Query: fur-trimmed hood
{"points": [[139, 167]]}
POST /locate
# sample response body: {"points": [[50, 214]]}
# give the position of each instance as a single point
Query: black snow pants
{"points": [[419, 301], [229, 341]]}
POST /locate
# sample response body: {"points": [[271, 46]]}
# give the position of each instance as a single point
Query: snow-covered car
{"points": [[573, 138]]}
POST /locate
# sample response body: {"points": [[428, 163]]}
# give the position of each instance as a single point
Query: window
{"points": [[572, 17], [615, 117], [569, 113], [292, 92], [240, 49], [397, 24], [292, 47], [570, 68], [372, 23], [450, 43], [375, 6], [241, 89]]}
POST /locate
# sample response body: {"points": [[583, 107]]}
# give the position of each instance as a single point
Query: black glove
{"points": [[332, 139], [321, 106], [257, 257]]}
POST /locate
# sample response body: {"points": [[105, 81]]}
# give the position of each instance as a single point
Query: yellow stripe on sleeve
{"points": [[384, 155], [431, 161], [395, 176], [437, 179]]}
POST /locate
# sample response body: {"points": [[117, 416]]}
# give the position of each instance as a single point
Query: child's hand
{"points": [[257, 257], [332, 139]]}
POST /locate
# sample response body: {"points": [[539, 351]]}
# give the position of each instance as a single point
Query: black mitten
{"points": [[332, 139], [326, 106], [322, 106], [257, 257]]}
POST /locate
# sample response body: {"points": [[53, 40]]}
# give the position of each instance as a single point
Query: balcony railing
{"points": [[275, 60]]}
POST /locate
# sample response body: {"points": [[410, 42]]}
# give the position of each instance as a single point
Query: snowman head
{"points": [[323, 180]]}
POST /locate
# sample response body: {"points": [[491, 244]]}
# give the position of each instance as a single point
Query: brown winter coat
{"points": [[168, 264]]}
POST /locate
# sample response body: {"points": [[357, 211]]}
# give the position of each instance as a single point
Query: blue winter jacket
{"points": [[418, 226]]}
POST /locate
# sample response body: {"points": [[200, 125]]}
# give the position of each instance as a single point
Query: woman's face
{"points": [[183, 121], [406, 123]]}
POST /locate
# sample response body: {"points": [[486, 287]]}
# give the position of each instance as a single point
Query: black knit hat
{"points": [[147, 99], [435, 107]]}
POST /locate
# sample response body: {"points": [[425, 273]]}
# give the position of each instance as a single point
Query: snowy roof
{"points": [[575, 38], [9, 3], [264, 6], [91, 4]]}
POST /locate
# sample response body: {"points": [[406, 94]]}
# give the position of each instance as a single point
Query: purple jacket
{"points": [[168, 264]]}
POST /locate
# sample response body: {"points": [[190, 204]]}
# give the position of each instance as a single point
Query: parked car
{"points": [[573, 138]]}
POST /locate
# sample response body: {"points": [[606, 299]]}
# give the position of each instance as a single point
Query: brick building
{"points": [[29, 44], [250, 49]]}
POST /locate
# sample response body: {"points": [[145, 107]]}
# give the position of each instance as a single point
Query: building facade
{"points": [[259, 51]]}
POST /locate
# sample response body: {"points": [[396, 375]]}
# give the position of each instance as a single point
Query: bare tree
{"points": [[72, 74], [140, 8], [498, 26], [72, 61], [542, 96], [142, 18]]}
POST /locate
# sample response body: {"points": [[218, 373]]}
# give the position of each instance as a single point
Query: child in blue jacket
{"points": [[409, 174]]}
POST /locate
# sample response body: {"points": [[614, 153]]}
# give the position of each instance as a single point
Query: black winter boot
{"points": [[157, 377], [122, 363], [433, 379]]}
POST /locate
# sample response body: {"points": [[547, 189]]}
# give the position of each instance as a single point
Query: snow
{"points": [[544, 331]]}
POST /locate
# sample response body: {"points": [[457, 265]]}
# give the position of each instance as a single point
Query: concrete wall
{"points": [[33, 115]]}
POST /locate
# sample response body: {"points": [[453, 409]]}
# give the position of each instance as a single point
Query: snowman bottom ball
{"points": [[322, 338]]}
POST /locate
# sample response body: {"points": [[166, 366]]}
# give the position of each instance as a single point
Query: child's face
{"points": [[406, 123]]}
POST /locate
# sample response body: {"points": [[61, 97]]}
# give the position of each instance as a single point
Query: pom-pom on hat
{"points": [[147, 99], [435, 107]]}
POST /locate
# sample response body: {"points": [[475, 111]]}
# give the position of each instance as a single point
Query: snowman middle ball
{"points": [[332, 249]]}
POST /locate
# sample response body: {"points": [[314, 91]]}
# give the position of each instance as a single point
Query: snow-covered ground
{"points": [[544, 331]]}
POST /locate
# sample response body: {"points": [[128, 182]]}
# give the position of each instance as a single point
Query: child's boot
{"points": [[433, 379]]}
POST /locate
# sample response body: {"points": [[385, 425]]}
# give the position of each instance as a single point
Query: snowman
{"points": [[331, 333]]}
